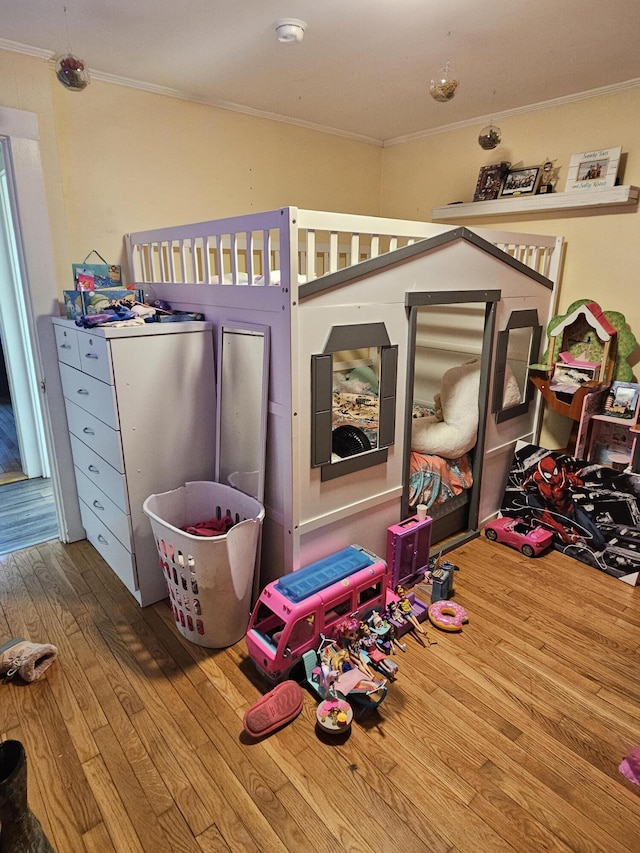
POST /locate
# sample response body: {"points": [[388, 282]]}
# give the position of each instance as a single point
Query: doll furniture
{"points": [[341, 293], [352, 684]]}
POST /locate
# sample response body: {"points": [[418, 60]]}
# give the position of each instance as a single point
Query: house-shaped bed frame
{"points": [[325, 283]]}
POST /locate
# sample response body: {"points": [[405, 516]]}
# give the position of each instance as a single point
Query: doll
{"points": [[407, 611], [372, 654]]}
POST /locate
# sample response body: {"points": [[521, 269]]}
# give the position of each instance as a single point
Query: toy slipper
{"points": [[276, 708]]}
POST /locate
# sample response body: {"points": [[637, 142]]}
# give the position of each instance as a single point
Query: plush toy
{"points": [[457, 432]]}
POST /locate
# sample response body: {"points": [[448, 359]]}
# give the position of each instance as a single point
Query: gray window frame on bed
{"points": [[351, 337]]}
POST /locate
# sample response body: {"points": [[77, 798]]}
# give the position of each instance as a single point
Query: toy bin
{"points": [[210, 578]]}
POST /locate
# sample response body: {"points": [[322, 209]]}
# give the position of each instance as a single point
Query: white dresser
{"points": [[140, 405]]}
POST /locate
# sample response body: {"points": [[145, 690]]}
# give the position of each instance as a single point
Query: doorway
{"points": [[450, 343], [28, 297]]}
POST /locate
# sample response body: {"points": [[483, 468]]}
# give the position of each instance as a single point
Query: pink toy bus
{"points": [[294, 612]]}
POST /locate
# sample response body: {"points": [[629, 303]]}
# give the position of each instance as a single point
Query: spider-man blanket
{"points": [[593, 511]]}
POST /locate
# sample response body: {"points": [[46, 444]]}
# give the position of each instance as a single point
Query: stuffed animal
{"points": [[457, 432]]}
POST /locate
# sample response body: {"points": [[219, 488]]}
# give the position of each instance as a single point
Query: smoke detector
{"points": [[290, 30]]}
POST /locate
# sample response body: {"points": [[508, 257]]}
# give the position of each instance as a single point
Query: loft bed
{"points": [[298, 272]]}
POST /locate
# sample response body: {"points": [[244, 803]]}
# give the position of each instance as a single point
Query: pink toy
{"points": [[630, 766], [447, 615], [276, 708], [531, 540], [296, 611]]}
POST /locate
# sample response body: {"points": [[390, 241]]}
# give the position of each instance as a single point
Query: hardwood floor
{"points": [[27, 506], [27, 514], [506, 737], [10, 464]]}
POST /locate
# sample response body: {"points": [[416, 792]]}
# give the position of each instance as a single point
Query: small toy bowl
{"points": [[334, 716]]}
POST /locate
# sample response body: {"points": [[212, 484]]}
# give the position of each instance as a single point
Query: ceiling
{"points": [[364, 66]]}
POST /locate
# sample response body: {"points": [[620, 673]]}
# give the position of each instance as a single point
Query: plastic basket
{"points": [[210, 579]]}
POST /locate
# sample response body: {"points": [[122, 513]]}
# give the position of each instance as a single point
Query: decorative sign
{"points": [[593, 169]]}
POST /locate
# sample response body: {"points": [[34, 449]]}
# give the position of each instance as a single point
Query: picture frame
{"points": [[622, 400], [520, 182], [593, 169], [490, 181]]}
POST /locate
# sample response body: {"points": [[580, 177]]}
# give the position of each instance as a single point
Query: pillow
{"points": [[457, 433]]}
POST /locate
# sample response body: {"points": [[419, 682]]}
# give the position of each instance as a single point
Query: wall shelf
{"points": [[596, 198]]}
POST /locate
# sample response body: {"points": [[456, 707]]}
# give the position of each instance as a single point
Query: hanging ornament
{"points": [[444, 84], [490, 137], [70, 70], [72, 73]]}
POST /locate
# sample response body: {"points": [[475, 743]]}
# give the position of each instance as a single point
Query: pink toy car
{"points": [[531, 540]]}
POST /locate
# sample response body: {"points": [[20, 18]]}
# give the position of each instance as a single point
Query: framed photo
{"points": [[593, 169], [520, 181], [622, 400], [490, 181]]}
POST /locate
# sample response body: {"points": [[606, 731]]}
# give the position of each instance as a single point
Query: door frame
{"points": [[39, 297], [414, 301]]}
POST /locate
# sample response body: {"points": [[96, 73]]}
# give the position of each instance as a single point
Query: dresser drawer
{"points": [[110, 548], [90, 394], [106, 478], [96, 434], [67, 345], [95, 358], [104, 509]]}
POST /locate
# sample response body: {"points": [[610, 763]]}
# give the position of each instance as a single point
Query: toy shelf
{"points": [[607, 197]]}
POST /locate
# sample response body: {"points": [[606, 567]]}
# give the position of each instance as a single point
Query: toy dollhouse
{"points": [[581, 359]]}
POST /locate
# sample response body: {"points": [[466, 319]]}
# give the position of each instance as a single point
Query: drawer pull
{"points": [[97, 504], [88, 431], [93, 469], [83, 391], [102, 539], [65, 346], [91, 355]]}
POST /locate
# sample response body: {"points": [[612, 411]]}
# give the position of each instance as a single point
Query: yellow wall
{"points": [[132, 160], [602, 260], [117, 159]]}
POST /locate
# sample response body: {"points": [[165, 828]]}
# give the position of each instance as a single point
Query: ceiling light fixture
{"points": [[290, 30], [70, 70]]}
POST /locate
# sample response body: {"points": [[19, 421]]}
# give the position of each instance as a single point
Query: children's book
{"points": [[622, 400]]}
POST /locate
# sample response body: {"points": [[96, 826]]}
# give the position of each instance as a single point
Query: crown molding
{"points": [[613, 89], [27, 49]]}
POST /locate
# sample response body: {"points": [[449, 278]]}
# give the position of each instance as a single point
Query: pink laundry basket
{"points": [[210, 579]]}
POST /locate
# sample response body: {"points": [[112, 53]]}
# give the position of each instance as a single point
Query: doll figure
{"points": [[407, 611], [356, 653], [371, 653], [385, 633]]}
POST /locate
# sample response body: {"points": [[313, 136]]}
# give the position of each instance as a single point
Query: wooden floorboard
{"points": [[27, 514], [10, 462], [505, 737]]}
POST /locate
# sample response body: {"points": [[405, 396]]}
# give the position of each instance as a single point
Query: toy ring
{"points": [[447, 615]]}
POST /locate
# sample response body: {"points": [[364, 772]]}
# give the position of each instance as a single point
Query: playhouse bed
{"points": [[278, 269]]}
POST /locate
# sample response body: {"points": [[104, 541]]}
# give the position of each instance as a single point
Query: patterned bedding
{"points": [[432, 479]]}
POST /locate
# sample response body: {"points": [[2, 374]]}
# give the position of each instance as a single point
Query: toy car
{"points": [[531, 540]]}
